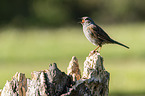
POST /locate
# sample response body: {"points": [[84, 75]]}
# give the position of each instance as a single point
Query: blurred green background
{"points": [[35, 33]]}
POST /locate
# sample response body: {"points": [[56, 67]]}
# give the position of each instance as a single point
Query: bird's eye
{"points": [[87, 18], [83, 21]]}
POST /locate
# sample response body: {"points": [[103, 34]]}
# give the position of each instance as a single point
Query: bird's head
{"points": [[86, 21]]}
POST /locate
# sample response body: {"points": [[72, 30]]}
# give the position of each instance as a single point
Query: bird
{"points": [[96, 35]]}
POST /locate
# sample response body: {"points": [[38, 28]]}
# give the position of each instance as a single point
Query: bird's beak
{"points": [[79, 20], [82, 21]]}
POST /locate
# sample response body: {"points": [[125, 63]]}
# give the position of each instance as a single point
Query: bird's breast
{"points": [[89, 35]]}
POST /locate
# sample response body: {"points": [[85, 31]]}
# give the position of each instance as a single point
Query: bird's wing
{"points": [[99, 33]]}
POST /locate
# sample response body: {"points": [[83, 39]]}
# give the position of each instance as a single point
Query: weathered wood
{"points": [[50, 82], [0, 91], [16, 87], [73, 69], [95, 80], [95, 75], [53, 82]]}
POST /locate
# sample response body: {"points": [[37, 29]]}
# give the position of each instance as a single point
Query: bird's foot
{"points": [[93, 52]]}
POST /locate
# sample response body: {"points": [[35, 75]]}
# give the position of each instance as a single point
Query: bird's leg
{"points": [[92, 52], [96, 48], [100, 49]]}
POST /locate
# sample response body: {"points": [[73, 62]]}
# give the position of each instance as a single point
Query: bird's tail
{"points": [[120, 44]]}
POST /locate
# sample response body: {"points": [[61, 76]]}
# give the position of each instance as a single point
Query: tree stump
{"points": [[54, 82]]}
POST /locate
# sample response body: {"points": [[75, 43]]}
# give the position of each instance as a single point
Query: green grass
{"points": [[32, 49]]}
